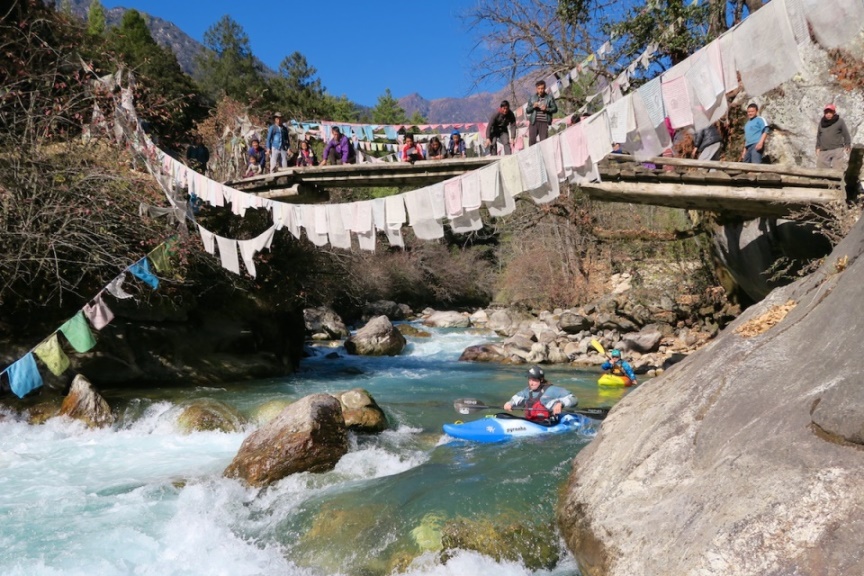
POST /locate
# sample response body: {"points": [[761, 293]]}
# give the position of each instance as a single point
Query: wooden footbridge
{"points": [[732, 188]]}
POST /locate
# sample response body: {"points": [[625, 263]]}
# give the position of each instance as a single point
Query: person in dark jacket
{"points": [[198, 155], [339, 149], [541, 107], [707, 143], [256, 150], [832, 139], [456, 147], [501, 128]]}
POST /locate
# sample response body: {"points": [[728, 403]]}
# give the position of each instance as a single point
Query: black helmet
{"points": [[535, 372]]}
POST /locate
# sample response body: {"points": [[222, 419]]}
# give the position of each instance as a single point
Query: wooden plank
{"points": [[744, 167]]}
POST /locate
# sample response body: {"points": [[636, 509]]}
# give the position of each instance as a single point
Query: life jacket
{"points": [[617, 370], [534, 408]]}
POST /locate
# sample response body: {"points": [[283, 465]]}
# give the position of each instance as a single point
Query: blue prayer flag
{"points": [[24, 375], [141, 270]]}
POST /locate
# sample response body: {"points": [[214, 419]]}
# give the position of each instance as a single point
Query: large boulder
{"points": [[388, 308], [377, 338], [447, 319], [307, 436], [206, 415], [483, 353], [85, 404], [573, 323], [506, 322], [744, 458], [322, 323], [361, 412], [647, 340]]}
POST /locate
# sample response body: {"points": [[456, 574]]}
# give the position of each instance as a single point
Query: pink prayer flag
{"points": [[453, 197], [98, 313], [677, 100]]}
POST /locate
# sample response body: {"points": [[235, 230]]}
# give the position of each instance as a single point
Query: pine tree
{"points": [[388, 110], [96, 19], [295, 91], [417, 119], [228, 67], [162, 81]]}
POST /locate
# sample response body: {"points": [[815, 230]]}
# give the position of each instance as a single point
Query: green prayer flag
{"points": [[161, 259], [77, 331], [52, 355]]}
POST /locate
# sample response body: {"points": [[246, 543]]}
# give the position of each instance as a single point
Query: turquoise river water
{"points": [[142, 498]]}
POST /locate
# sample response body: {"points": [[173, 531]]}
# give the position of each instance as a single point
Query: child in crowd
{"points": [[306, 156], [411, 152], [435, 151], [254, 168]]}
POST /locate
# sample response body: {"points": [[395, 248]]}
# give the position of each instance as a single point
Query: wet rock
{"points": [[269, 410], [208, 415], [502, 539], [361, 412], [377, 338], [85, 404], [307, 436], [43, 411], [839, 412], [483, 353], [409, 330], [324, 323], [447, 319]]}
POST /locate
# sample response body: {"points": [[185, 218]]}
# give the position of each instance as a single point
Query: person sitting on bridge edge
{"points": [[541, 107], [256, 150], [435, 151], [832, 139], [456, 147], [411, 152], [339, 149], [543, 402], [305, 155], [619, 367], [755, 133], [277, 143], [501, 128]]}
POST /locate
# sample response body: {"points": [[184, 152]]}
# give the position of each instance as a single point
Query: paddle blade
{"points": [[599, 347], [469, 405], [599, 413]]}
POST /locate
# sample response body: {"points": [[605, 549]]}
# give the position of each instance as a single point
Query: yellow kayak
{"points": [[613, 381]]}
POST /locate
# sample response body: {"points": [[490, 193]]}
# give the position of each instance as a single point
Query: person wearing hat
{"points": [[832, 139], [456, 147], [619, 367], [501, 128], [543, 402], [277, 143]]}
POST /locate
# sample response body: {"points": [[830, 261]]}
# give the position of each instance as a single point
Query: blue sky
{"points": [[359, 48]]}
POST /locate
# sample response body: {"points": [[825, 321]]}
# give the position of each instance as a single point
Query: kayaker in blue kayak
{"points": [[543, 402], [619, 367]]}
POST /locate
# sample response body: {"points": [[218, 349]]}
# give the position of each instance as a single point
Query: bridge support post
{"points": [[853, 172]]}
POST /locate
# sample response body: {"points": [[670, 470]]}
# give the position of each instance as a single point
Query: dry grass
{"points": [[766, 321]]}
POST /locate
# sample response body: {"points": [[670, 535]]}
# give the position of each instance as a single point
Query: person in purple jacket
{"points": [[339, 149]]}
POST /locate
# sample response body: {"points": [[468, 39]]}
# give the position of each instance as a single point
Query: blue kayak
{"points": [[501, 427]]}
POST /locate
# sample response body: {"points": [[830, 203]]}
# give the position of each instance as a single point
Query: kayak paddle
{"points": [[471, 405], [598, 347]]}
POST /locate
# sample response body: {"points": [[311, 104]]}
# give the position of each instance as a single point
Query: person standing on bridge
{"points": [[501, 128], [832, 140], [755, 133], [541, 107], [339, 149], [277, 143]]}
